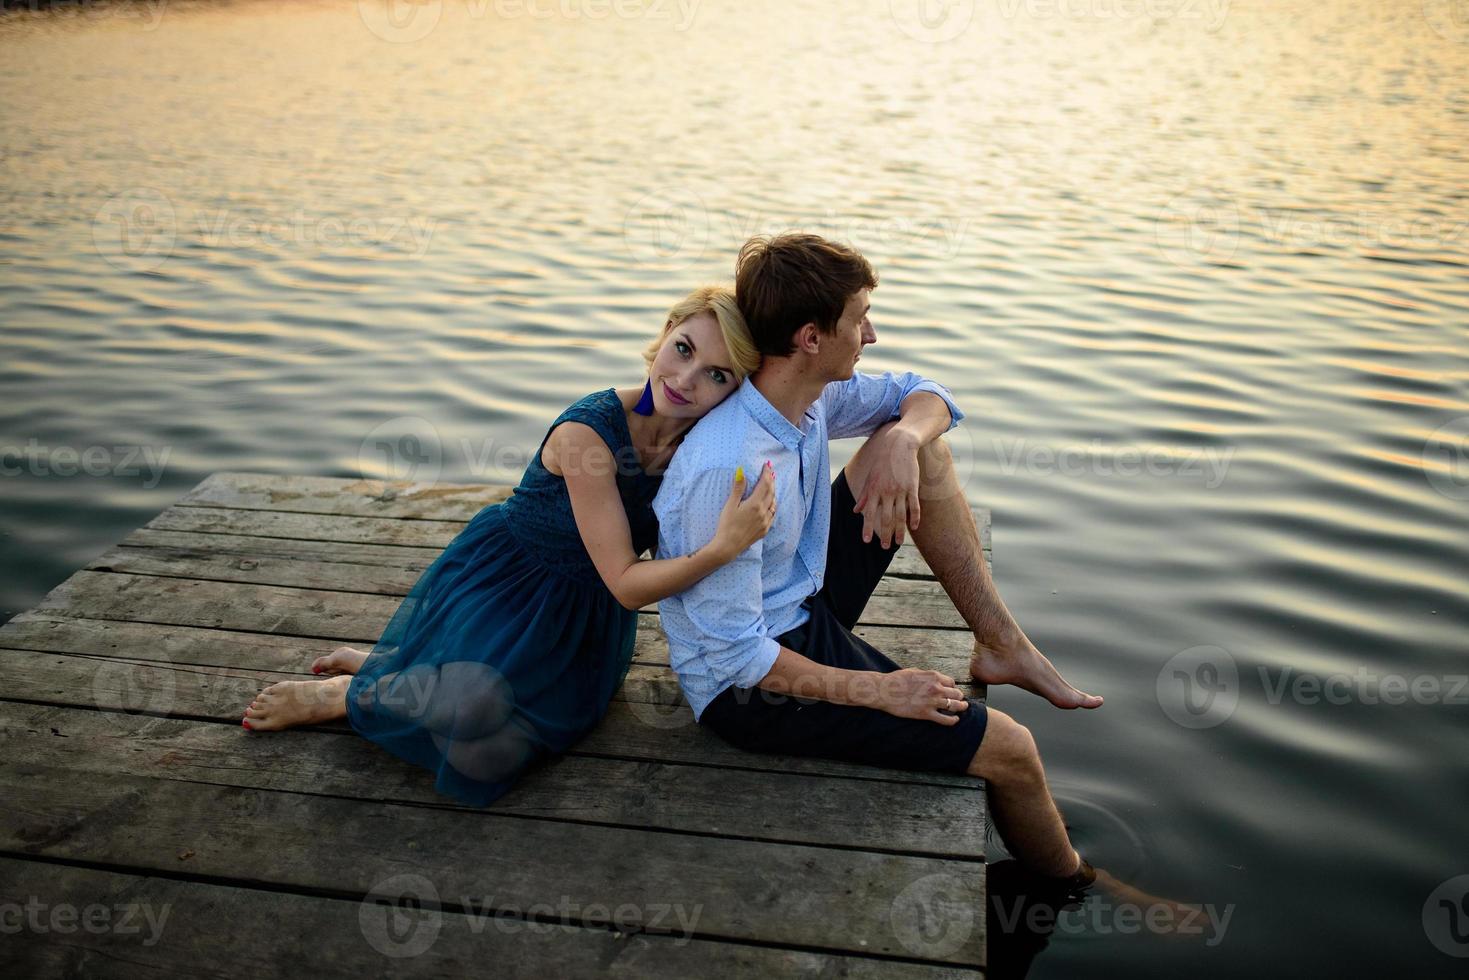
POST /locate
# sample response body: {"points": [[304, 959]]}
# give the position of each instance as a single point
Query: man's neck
{"points": [[789, 386]]}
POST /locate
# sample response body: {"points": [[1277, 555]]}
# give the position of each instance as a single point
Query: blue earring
{"points": [[645, 404]]}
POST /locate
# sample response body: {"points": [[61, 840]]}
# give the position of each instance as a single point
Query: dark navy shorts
{"points": [[765, 721]]}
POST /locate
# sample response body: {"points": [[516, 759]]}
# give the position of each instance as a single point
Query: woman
{"points": [[511, 644]]}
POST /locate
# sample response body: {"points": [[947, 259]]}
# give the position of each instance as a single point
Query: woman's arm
{"points": [[583, 460]]}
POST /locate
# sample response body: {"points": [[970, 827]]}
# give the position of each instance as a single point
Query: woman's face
{"points": [[692, 372]]}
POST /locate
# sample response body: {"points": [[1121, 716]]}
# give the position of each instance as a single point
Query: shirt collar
{"points": [[771, 420]]}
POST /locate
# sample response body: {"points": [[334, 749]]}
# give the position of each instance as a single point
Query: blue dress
{"points": [[509, 647]]}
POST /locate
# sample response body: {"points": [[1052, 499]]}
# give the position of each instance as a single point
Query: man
{"points": [[763, 647]]}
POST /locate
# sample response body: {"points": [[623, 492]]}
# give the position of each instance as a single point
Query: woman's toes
{"points": [[289, 703], [342, 660], [329, 663], [262, 713]]}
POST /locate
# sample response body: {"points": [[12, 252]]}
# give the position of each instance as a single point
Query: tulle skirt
{"points": [[491, 665]]}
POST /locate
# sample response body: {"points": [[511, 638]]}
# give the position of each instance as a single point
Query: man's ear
{"points": [[808, 339]]}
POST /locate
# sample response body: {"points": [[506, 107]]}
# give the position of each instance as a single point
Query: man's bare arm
{"points": [[908, 693], [924, 416]]}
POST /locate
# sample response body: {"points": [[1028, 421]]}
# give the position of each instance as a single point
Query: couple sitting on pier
{"points": [[511, 644]]}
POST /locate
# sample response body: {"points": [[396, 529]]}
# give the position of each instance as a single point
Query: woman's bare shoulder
{"points": [[628, 396], [573, 439]]}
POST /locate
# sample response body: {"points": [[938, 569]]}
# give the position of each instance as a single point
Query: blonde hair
{"points": [[719, 302]]}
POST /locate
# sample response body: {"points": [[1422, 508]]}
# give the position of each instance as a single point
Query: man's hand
{"points": [[889, 502], [923, 694]]}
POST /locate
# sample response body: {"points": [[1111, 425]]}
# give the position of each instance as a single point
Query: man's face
{"points": [[854, 331]]}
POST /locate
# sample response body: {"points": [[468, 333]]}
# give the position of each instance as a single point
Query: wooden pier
{"points": [[145, 832]]}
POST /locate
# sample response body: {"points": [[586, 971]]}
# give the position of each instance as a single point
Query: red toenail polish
{"points": [[316, 670], [247, 726]]}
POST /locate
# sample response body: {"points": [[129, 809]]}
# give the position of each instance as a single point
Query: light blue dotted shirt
{"points": [[721, 630]]}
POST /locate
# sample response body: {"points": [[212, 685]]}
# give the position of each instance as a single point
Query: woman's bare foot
{"points": [[1026, 667], [292, 703], [342, 660]]}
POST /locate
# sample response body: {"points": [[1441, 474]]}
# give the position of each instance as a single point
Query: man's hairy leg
{"points": [[948, 539], [1020, 799]]}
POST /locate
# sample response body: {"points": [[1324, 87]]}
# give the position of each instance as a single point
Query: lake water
{"points": [[1197, 272]]}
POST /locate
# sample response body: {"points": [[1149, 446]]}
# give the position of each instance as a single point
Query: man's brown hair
{"points": [[786, 281]]}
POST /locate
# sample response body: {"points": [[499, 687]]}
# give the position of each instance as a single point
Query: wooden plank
{"points": [[59, 630], [368, 498], [307, 494], [159, 688], [938, 821], [646, 720], [351, 617], [897, 601], [849, 902], [421, 533], [907, 563], [157, 926]]}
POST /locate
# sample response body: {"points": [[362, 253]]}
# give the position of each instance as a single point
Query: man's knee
{"points": [[1007, 752], [935, 452], [936, 476]]}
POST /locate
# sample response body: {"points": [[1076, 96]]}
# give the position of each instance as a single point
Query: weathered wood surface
{"points": [[126, 774], [205, 923]]}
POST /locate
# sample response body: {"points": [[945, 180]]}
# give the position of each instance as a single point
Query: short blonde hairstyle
{"points": [[719, 302]]}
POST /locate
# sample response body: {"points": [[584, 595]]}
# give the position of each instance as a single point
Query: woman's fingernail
{"points": [[739, 472]]}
